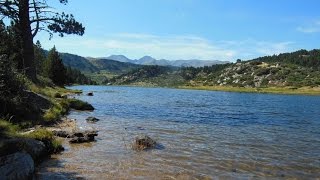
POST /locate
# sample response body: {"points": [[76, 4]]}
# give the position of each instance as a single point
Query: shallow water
{"points": [[201, 135]]}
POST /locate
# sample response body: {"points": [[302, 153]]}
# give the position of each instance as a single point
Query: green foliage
{"points": [[54, 68], [114, 66], [262, 71], [8, 129], [39, 58], [310, 59], [11, 89], [55, 113], [53, 145], [142, 74], [78, 62], [74, 76], [10, 44], [79, 105]]}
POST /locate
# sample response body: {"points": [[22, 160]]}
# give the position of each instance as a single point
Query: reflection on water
{"points": [[202, 135]]}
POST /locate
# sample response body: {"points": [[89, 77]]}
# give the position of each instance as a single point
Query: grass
{"points": [[8, 129], [79, 105], [273, 90], [53, 145], [59, 109]]}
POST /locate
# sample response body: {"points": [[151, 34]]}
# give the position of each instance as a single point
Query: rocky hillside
{"points": [[152, 75], [261, 74], [297, 69]]}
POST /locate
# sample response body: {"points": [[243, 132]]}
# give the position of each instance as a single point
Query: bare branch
{"points": [[37, 17]]}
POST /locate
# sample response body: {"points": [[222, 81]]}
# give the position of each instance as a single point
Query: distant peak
{"points": [[147, 58], [120, 58]]}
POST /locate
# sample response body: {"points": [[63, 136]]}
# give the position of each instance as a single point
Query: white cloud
{"points": [[166, 47], [314, 27]]}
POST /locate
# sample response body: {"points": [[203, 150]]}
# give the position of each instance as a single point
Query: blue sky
{"points": [[190, 29]]}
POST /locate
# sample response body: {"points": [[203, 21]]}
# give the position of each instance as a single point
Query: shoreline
{"points": [[268, 90], [288, 90]]}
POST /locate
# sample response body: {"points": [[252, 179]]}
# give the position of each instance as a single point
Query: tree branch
{"points": [[38, 22]]}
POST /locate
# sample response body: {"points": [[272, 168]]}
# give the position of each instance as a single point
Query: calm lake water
{"points": [[201, 135]]}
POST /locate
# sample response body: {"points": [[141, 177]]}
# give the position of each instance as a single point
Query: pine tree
{"points": [[54, 68], [32, 16], [39, 57]]}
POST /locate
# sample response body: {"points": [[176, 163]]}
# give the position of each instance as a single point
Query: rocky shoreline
{"points": [[22, 155]]}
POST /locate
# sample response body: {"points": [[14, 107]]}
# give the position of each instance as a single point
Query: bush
{"points": [[262, 71], [80, 105], [11, 89]]}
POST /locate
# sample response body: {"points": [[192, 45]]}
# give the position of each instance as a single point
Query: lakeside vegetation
{"points": [[271, 90], [288, 73], [32, 80]]}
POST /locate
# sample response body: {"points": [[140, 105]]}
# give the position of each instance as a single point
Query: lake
{"points": [[200, 135]]}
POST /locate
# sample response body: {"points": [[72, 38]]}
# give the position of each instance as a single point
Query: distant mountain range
{"points": [[121, 64], [148, 60]]}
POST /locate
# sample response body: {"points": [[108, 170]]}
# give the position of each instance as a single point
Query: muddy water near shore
{"points": [[200, 135]]}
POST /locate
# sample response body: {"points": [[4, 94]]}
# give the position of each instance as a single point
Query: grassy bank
{"points": [[273, 90], [45, 105]]}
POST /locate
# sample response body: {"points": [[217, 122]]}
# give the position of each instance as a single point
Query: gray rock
{"points": [[63, 134], [36, 149], [81, 137], [19, 165], [92, 119], [143, 142]]}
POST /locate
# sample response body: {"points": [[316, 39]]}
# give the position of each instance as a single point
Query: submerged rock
{"points": [[19, 165], [92, 119], [81, 137], [143, 142], [63, 134]]}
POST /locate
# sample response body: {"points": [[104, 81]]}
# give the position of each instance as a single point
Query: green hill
{"points": [[297, 69], [152, 75], [113, 66], [78, 62]]}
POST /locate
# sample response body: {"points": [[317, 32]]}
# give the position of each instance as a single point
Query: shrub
{"points": [[262, 71], [80, 105]]}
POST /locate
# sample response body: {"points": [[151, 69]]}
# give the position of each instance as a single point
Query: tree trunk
{"points": [[27, 40]]}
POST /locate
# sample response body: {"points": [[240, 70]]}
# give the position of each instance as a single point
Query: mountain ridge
{"points": [[148, 60]]}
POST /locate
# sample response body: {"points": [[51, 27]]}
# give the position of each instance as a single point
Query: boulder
{"points": [[143, 142], [92, 119], [63, 134], [35, 148], [19, 165], [90, 94]]}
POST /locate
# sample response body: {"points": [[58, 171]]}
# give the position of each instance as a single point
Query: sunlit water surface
{"points": [[200, 135]]}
